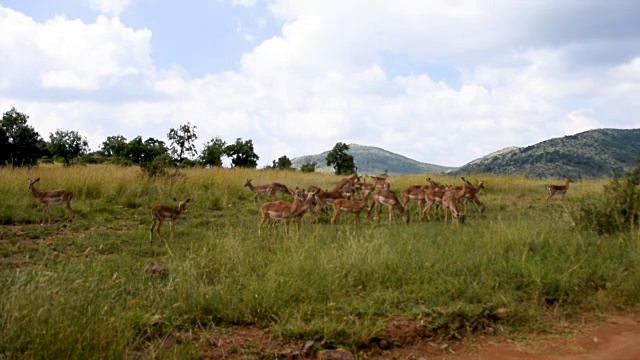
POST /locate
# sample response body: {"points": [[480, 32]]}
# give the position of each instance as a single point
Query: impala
{"points": [[267, 189], [323, 198], [389, 198], [558, 189], [351, 206], [450, 205], [162, 213], [301, 211], [348, 180], [279, 210], [49, 197], [470, 195], [435, 196]]}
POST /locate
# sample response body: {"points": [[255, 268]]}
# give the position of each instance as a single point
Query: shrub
{"points": [[617, 208]]}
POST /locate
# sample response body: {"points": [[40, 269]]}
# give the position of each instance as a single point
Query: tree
{"points": [[182, 142], [115, 146], [283, 163], [139, 152], [20, 144], [309, 167], [242, 154], [341, 160], [68, 145], [213, 152]]}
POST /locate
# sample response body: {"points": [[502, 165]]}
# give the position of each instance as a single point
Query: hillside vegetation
{"points": [[595, 153], [373, 161]]}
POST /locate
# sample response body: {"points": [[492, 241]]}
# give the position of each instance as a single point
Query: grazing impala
{"points": [[389, 198], [162, 213], [49, 197], [471, 194], [351, 206], [558, 189], [450, 205], [267, 189]]}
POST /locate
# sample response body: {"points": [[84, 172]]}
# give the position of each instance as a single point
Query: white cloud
{"points": [[329, 77], [110, 7]]}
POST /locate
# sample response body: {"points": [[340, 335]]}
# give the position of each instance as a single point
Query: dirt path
{"points": [[617, 340]]}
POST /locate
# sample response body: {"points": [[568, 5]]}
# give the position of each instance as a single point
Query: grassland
{"points": [[80, 290]]}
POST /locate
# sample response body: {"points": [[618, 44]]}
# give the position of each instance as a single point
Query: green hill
{"points": [[593, 153], [373, 160]]}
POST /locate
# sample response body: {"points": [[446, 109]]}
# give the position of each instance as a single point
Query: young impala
{"points": [[49, 197], [351, 206], [162, 213]]}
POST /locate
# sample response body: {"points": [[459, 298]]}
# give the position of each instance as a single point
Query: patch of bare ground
{"points": [[617, 338]]}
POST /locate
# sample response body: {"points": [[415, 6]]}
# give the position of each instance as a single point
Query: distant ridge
{"points": [[594, 153], [372, 160]]}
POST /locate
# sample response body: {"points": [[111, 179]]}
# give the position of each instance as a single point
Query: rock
{"points": [[157, 269], [306, 349]]}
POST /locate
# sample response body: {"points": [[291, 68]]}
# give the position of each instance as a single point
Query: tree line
{"points": [[22, 145]]}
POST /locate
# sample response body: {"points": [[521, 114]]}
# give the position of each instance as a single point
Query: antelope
{"points": [[558, 189], [268, 189], [470, 195], [279, 210], [389, 198], [354, 207], [301, 211], [348, 180], [323, 198], [162, 213], [450, 205], [49, 197], [435, 196]]}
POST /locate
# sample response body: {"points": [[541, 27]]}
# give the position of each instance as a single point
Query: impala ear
{"points": [[186, 201], [174, 199]]}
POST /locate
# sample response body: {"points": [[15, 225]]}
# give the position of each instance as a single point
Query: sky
{"points": [[441, 81]]}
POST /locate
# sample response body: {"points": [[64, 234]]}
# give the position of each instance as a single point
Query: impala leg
{"points": [[160, 222], [70, 211], [151, 229]]}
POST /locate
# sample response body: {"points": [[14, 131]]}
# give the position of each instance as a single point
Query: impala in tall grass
{"points": [[49, 197], [162, 213], [558, 189]]}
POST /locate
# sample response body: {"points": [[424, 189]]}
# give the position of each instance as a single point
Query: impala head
{"points": [[458, 217], [181, 204], [248, 183], [32, 182]]}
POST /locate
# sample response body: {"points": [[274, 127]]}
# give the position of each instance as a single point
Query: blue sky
{"points": [[443, 82]]}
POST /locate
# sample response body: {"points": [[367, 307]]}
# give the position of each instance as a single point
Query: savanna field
{"points": [[80, 290]]}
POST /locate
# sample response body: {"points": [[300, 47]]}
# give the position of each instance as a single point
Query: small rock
{"points": [[596, 340], [156, 268], [339, 354]]}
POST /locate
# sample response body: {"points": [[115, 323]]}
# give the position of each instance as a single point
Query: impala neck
{"points": [[35, 192]]}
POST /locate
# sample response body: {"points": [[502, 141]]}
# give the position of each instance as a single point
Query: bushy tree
{"points": [[114, 146], [20, 144], [242, 154], [341, 160], [283, 163], [140, 152], [182, 142], [309, 167], [67, 145], [213, 152]]}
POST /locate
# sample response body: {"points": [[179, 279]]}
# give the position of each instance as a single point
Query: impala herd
{"points": [[350, 195]]}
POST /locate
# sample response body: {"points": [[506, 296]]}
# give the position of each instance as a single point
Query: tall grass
{"points": [[80, 290]]}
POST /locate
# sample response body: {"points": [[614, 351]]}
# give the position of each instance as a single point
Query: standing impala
{"points": [[162, 213], [279, 210], [558, 189], [49, 197], [387, 197], [351, 206]]}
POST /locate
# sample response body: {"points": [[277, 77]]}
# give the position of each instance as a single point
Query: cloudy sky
{"points": [[443, 82]]}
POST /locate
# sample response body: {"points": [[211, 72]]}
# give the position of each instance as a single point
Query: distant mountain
{"points": [[593, 153], [372, 161]]}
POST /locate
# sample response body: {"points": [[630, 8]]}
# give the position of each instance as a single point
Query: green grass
{"points": [[80, 290]]}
